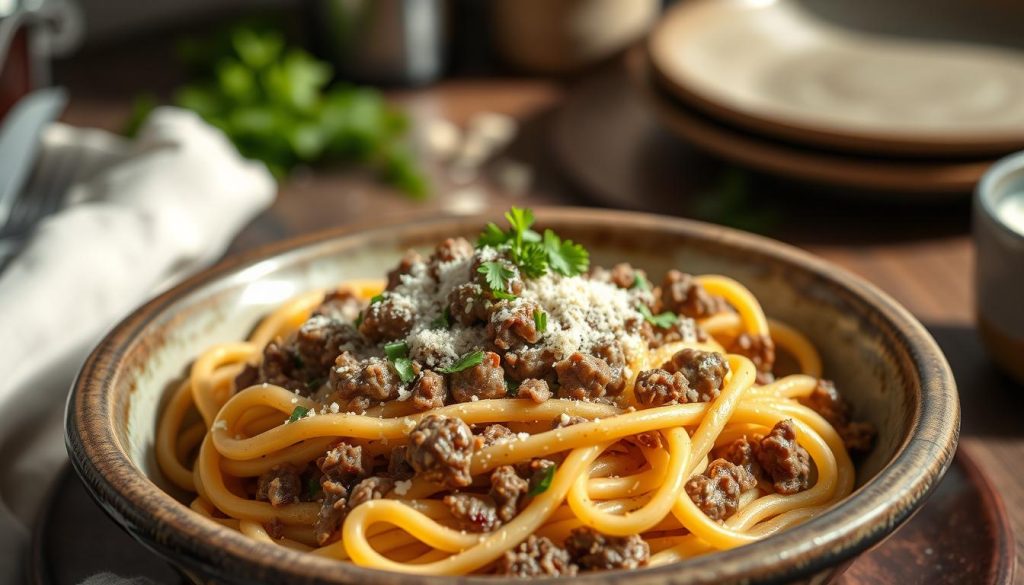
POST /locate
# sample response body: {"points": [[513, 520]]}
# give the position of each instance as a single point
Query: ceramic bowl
{"points": [[998, 226], [878, 354]]}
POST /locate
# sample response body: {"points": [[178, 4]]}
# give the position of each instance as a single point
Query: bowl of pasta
{"points": [[567, 393]]}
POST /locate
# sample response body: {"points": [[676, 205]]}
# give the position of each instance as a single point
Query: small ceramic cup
{"points": [[999, 266]]}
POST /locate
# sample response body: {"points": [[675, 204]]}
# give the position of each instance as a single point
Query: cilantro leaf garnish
{"points": [[492, 236], [662, 320], [396, 349], [511, 388], [376, 299], [532, 259], [443, 321], [313, 488], [520, 221], [299, 412], [640, 282], [543, 480], [565, 257], [497, 274], [540, 319], [406, 372], [398, 355], [532, 253], [502, 295], [474, 358]]}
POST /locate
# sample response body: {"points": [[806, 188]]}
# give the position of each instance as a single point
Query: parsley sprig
{"points": [[532, 253], [542, 480], [662, 320], [474, 358], [398, 355], [299, 412]]}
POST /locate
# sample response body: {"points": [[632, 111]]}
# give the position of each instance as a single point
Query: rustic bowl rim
{"points": [[863, 519]]}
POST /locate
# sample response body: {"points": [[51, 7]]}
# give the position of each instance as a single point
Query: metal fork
{"points": [[45, 194]]}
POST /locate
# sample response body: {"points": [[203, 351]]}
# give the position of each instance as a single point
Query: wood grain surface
{"points": [[922, 256]]}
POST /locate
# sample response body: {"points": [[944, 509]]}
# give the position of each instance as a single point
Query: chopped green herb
{"points": [[498, 294], [467, 361], [640, 282], [443, 321], [532, 259], [406, 372], [359, 319], [540, 319], [376, 299], [299, 412], [511, 388], [492, 236], [662, 320], [565, 257], [396, 349], [497, 274], [532, 253], [543, 482], [313, 488], [520, 221]]}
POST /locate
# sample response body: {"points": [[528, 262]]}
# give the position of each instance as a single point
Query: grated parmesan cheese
{"points": [[402, 487]]}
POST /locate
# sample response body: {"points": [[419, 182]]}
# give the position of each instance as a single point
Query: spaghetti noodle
{"points": [[501, 409]]}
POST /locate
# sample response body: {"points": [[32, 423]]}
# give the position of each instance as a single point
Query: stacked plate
{"points": [[773, 85]]}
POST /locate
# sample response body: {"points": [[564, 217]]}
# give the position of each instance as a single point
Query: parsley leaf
{"points": [[565, 257], [396, 349], [511, 388], [640, 282], [398, 354], [403, 366], [662, 320], [520, 220], [542, 480], [443, 321], [313, 488], [299, 412], [497, 275], [540, 319], [492, 236], [467, 361], [500, 294], [532, 259], [376, 299]]}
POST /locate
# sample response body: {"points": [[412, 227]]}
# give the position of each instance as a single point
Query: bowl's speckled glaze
{"points": [[879, 355]]}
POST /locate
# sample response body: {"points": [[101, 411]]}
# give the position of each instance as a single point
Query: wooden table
{"points": [[922, 257]]}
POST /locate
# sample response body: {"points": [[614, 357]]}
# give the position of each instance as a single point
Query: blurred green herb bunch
{"points": [[276, 104]]}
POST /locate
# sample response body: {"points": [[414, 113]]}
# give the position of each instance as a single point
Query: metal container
{"points": [[390, 42]]}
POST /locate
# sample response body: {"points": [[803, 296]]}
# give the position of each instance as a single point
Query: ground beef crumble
{"points": [[826, 401], [440, 449], [717, 491], [657, 388], [535, 390], [584, 377], [536, 557], [279, 486], [472, 513], [704, 371], [594, 551], [483, 381], [786, 464], [429, 391], [507, 491], [683, 295], [761, 350]]}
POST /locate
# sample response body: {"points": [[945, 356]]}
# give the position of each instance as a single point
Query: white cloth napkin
{"points": [[143, 214]]}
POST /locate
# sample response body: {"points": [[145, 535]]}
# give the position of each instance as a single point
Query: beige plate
{"points": [[922, 179], [774, 67]]}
